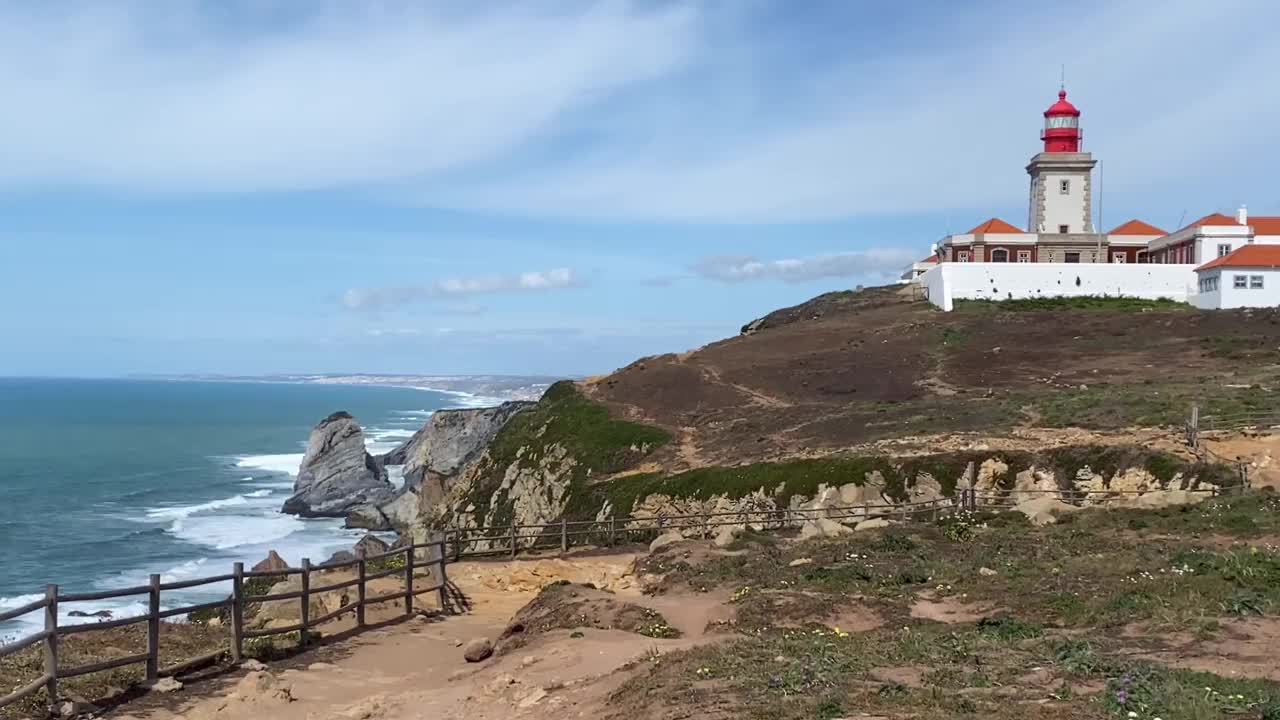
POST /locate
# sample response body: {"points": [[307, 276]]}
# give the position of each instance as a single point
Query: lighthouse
{"points": [[1061, 177]]}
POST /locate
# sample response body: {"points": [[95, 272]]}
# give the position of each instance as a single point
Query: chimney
{"points": [[1242, 215]]}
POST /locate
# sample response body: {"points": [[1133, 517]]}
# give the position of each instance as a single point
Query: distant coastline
{"points": [[501, 387]]}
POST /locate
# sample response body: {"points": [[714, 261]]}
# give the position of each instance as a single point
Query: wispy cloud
{"points": [[381, 298], [868, 263], [621, 110]]}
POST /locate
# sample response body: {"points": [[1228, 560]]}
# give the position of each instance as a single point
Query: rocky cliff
{"points": [[566, 458], [337, 474], [431, 459]]}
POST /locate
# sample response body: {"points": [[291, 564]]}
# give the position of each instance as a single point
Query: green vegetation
{"points": [[1069, 619], [178, 642], [802, 477], [1091, 302], [1073, 574], [564, 420]]}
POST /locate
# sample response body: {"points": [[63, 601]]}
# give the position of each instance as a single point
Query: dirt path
{"points": [[416, 669]]}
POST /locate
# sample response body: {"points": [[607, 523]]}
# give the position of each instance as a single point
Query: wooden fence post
{"points": [[360, 587], [444, 578], [305, 610], [408, 579], [513, 538], [51, 642], [153, 630], [457, 544], [1193, 427], [613, 532], [237, 613], [564, 536]]}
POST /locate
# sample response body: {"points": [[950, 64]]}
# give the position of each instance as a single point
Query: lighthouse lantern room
{"points": [[1061, 126]]}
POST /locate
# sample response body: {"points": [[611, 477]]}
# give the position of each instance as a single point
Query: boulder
{"points": [[337, 475], [477, 650], [871, 524], [1034, 483], [341, 556], [371, 545], [273, 562], [368, 517], [823, 527], [726, 535], [164, 685], [669, 537], [1040, 511]]}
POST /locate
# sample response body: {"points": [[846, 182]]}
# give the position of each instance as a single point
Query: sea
{"points": [[103, 482]]}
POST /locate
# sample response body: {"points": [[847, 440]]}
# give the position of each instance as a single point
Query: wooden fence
{"points": [[452, 544], [235, 604], [1243, 420], [511, 539], [1235, 420]]}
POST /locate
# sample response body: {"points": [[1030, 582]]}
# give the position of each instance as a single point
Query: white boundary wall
{"points": [[1005, 281]]}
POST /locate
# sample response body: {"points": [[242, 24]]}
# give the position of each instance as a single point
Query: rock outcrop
{"points": [[337, 474], [430, 460], [271, 562]]}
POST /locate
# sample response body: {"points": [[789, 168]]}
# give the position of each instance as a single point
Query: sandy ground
{"points": [[415, 669]]}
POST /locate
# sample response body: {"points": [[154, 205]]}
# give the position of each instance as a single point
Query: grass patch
{"points": [[570, 433], [1100, 303], [178, 642]]}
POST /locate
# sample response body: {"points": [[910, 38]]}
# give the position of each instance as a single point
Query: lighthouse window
{"points": [[1224, 249], [1064, 187], [1060, 121]]}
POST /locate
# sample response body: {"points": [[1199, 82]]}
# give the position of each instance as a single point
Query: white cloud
{"points": [[869, 263], [194, 96], [621, 110], [379, 298]]}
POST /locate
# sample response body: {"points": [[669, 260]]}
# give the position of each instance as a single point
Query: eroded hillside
{"points": [[847, 369]]}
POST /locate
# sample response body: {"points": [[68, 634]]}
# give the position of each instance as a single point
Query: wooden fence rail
{"points": [[435, 557]]}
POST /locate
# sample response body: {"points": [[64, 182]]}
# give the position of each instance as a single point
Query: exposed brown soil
{"points": [[847, 369], [571, 606], [1242, 647]]}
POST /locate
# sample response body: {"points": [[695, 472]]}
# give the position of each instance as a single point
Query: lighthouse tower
{"points": [[1061, 176]]}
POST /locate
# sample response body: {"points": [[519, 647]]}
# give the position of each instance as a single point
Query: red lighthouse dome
{"points": [[1061, 126]]}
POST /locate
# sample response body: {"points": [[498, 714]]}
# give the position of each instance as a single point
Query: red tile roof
{"points": [[1247, 256], [1137, 227], [1214, 219], [931, 259], [995, 225], [1264, 225]]}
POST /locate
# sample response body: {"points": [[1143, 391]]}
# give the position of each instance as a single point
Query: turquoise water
{"points": [[105, 481]]}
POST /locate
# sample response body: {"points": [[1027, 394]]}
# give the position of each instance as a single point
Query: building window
{"points": [[1209, 284], [1071, 257], [962, 256], [1062, 229], [1064, 187], [1255, 282], [1024, 256], [1239, 282], [1119, 257], [1224, 249], [1000, 255]]}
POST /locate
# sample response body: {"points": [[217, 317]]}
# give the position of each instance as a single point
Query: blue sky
{"points": [[558, 186]]}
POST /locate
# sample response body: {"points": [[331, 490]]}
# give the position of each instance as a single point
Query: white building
{"points": [[1061, 254], [918, 268], [1248, 276]]}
